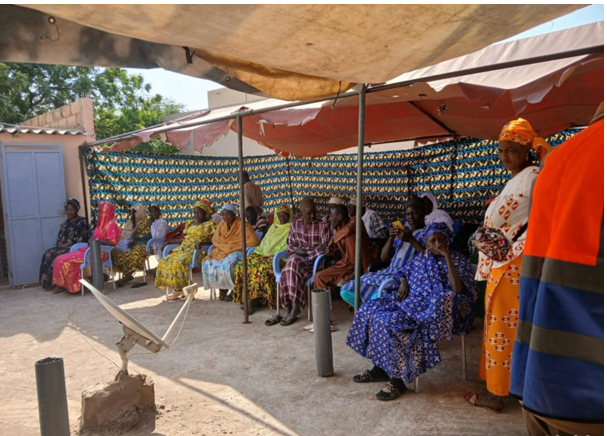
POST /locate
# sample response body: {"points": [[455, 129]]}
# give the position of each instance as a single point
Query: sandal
{"points": [[288, 320], [389, 393], [138, 285], [366, 377], [472, 398], [273, 321], [176, 296]]}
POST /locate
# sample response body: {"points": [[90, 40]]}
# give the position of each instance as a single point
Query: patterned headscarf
{"points": [[205, 205], [72, 202], [436, 227], [521, 132]]}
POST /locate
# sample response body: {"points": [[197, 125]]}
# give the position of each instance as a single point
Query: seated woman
{"points": [[158, 229], [401, 246], [261, 280], [130, 254], [173, 270], [75, 229], [433, 213], [399, 332], [133, 257], [66, 268], [227, 251]]}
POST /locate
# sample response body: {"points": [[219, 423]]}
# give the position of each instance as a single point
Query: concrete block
{"points": [[48, 119], [75, 107], [118, 406], [65, 111], [72, 121]]}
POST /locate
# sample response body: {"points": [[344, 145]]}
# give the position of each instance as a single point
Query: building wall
{"points": [[78, 116]]}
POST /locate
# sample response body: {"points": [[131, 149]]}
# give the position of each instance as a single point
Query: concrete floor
{"points": [[225, 378]]}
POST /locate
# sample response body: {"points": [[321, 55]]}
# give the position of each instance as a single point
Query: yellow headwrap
{"points": [[205, 205], [521, 132]]}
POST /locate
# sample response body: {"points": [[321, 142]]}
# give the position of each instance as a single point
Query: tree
{"points": [[122, 102]]}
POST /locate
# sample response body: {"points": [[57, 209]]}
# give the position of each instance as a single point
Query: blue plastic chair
{"points": [[260, 236], [277, 273]]}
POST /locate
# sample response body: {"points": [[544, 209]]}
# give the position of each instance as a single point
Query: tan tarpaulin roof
{"points": [[292, 52], [552, 95]]}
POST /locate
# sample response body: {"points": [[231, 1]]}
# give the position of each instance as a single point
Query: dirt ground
{"points": [[225, 378]]}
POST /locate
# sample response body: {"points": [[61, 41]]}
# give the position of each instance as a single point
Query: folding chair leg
{"points": [[416, 385], [81, 285], [166, 292], [464, 365], [309, 304], [277, 298], [113, 279]]}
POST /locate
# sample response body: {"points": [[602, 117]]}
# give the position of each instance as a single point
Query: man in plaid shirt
{"points": [[376, 229], [308, 239]]}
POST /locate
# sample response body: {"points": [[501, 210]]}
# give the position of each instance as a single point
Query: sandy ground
{"points": [[225, 378]]}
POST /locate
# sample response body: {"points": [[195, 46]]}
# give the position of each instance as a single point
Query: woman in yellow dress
{"points": [[261, 280], [173, 270], [130, 254]]}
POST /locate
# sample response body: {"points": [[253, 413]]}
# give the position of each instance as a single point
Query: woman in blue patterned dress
{"points": [[401, 246], [399, 332]]}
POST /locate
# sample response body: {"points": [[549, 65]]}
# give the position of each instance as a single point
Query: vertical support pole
{"points": [[52, 397], [359, 189], [96, 263], [245, 275], [83, 181]]}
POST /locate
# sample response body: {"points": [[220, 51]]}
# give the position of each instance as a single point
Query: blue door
{"points": [[33, 190]]}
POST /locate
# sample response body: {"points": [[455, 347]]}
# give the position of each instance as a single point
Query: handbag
{"points": [[492, 242]]}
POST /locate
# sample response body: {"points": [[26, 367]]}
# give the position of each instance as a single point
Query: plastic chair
{"points": [[378, 294], [277, 273], [107, 264], [148, 248], [260, 236]]}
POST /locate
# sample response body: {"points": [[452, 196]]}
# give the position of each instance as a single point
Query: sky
{"points": [[192, 92]]}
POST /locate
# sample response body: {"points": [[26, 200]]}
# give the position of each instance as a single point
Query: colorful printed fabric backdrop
{"points": [[461, 174]]}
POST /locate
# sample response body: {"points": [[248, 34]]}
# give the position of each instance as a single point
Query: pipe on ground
{"points": [[52, 397], [321, 309]]}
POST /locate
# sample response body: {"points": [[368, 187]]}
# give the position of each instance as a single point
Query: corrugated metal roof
{"points": [[14, 130]]}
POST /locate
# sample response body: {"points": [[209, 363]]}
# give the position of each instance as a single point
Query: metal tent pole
{"points": [[83, 181], [359, 189], [243, 225]]}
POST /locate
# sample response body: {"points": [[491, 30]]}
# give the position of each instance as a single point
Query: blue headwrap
{"points": [[231, 207], [437, 227]]}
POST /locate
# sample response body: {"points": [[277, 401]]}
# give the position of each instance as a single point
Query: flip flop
{"points": [[472, 398], [288, 320], [389, 393], [138, 285], [273, 321], [366, 377], [174, 297]]}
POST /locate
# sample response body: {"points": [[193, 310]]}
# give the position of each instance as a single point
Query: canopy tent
{"points": [[552, 95], [292, 52]]}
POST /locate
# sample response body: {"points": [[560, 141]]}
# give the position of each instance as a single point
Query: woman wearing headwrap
{"points": [[227, 251], [508, 213], [66, 268], [433, 213], [399, 332], [130, 254], [75, 229], [173, 271], [262, 283]]}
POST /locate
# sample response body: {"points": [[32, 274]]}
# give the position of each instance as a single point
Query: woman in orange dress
{"points": [[509, 213], [66, 268]]}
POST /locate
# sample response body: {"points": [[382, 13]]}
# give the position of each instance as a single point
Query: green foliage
{"points": [[122, 102], [155, 146]]}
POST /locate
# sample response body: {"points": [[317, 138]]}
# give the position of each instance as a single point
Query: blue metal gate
{"points": [[33, 188]]}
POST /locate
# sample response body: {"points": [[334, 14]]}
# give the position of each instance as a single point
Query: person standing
{"points": [[252, 193], [557, 362], [505, 221]]}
